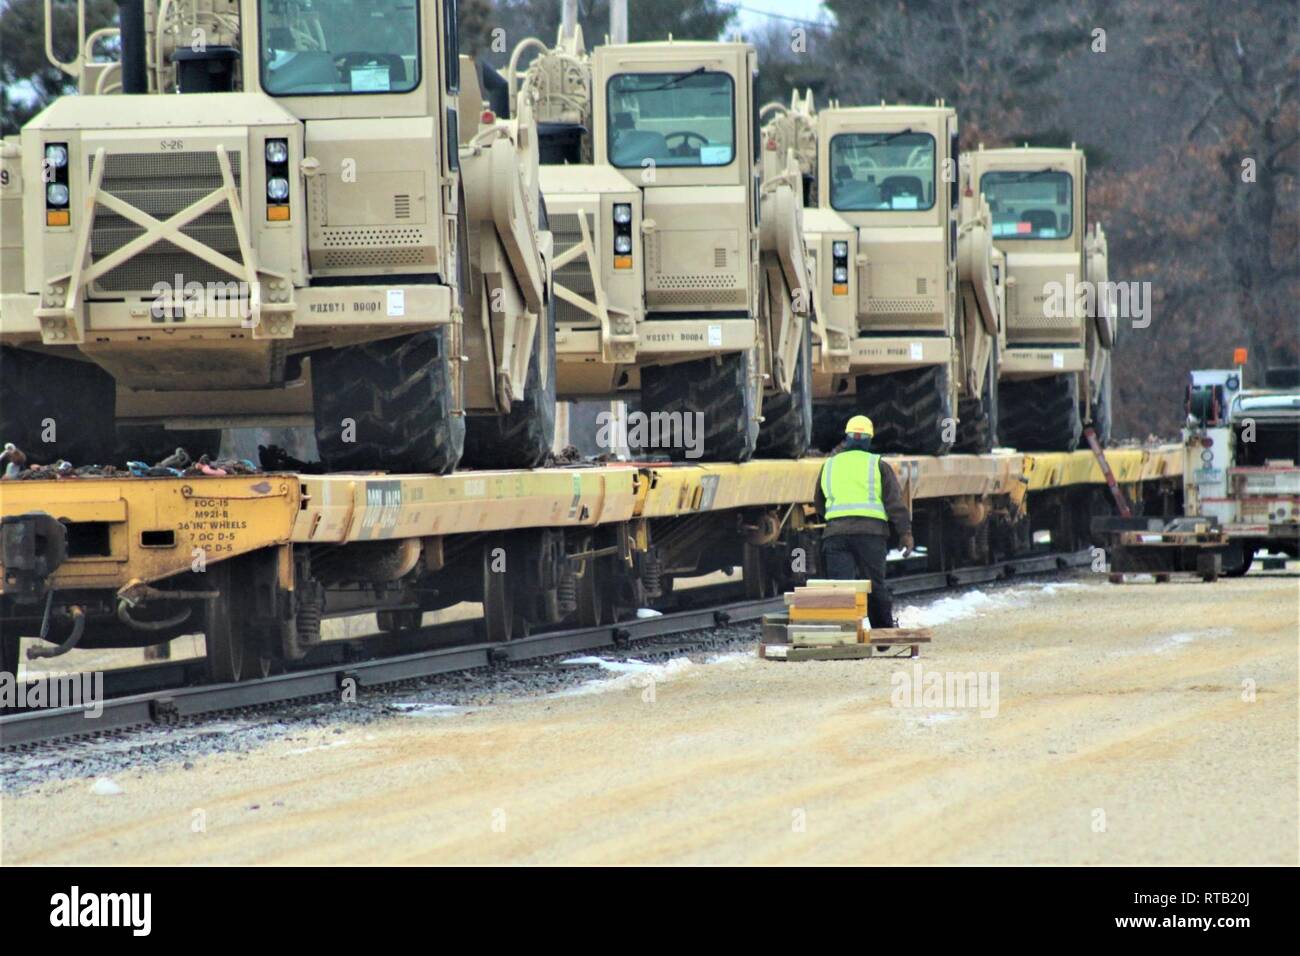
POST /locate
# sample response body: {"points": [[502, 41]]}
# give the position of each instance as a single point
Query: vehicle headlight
{"points": [[841, 274], [277, 188], [840, 248], [622, 245], [277, 151], [56, 194], [622, 213], [56, 155]]}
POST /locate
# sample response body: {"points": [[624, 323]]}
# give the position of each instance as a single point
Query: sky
{"points": [[755, 15]]}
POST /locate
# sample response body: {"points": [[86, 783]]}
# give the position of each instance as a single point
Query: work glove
{"points": [[907, 543]]}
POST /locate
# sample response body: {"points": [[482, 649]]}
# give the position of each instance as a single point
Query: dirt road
{"points": [[1134, 724]]}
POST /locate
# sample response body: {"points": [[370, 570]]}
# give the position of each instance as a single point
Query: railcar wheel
{"points": [[594, 605], [235, 648], [757, 576], [498, 598], [9, 654]]}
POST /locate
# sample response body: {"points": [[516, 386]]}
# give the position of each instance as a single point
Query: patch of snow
{"points": [[629, 666], [631, 674], [414, 708], [106, 787], [1171, 642], [946, 610], [644, 612], [972, 603], [734, 657]]}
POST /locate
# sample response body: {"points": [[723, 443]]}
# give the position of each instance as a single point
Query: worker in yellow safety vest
{"points": [[859, 497]]}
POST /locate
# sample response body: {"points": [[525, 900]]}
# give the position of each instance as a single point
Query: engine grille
{"points": [[576, 276], [162, 184]]}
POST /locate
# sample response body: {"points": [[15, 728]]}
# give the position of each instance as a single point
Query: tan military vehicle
{"points": [[909, 282], [1060, 321], [315, 231], [681, 277]]}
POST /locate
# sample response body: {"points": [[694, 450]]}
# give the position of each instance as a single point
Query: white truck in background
{"points": [[1242, 460]]}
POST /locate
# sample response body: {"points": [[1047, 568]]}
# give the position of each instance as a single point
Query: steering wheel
{"points": [[917, 158], [685, 146], [349, 61]]}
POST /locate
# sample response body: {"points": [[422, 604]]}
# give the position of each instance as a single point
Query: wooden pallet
{"points": [[892, 642]]}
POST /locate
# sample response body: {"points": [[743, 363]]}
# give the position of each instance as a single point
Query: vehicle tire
{"points": [[77, 399], [1041, 414], [908, 409], [522, 438], [977, 418], [829, 419], [397, 395], [9, 647], [1100, 413], [152, 443], [786, 430], [1237, 560], [235, 650], [723, 388]]}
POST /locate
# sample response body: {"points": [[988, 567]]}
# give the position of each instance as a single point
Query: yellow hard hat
{"points": [[860, 425]]}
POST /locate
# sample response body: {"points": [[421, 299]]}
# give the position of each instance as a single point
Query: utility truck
{"points": [[1242, 459]]}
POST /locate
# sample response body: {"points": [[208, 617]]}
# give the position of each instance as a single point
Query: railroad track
{"points": [[158, 693]]}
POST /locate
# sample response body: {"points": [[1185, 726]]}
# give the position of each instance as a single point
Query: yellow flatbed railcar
{"points": [[256, 561]]}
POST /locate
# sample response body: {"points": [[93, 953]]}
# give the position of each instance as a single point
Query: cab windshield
{"points": [[671, 119], [882, 171], [1030, 204], [339, 46]]}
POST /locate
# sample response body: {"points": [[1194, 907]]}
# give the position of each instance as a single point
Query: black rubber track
{"points": [[152, 443], [911, 410], [723, 388], [977, 418], [523, 437], [786, 430], [1041, 414], [42, 394], [398, 395]]}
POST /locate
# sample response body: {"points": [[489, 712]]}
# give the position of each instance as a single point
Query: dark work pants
{"points": [[848, 557]]}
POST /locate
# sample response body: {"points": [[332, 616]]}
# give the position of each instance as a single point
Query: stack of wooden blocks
{"points": [[827, 620], [828, 613]]}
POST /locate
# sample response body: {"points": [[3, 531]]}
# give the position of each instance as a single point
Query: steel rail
{"points": [[170, 705]]}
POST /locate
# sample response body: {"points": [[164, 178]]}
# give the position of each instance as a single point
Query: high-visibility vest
{"points": [[851, 483]]}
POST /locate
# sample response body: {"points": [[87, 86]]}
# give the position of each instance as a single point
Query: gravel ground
{"points": [[1138, 724], [162, 746]]}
